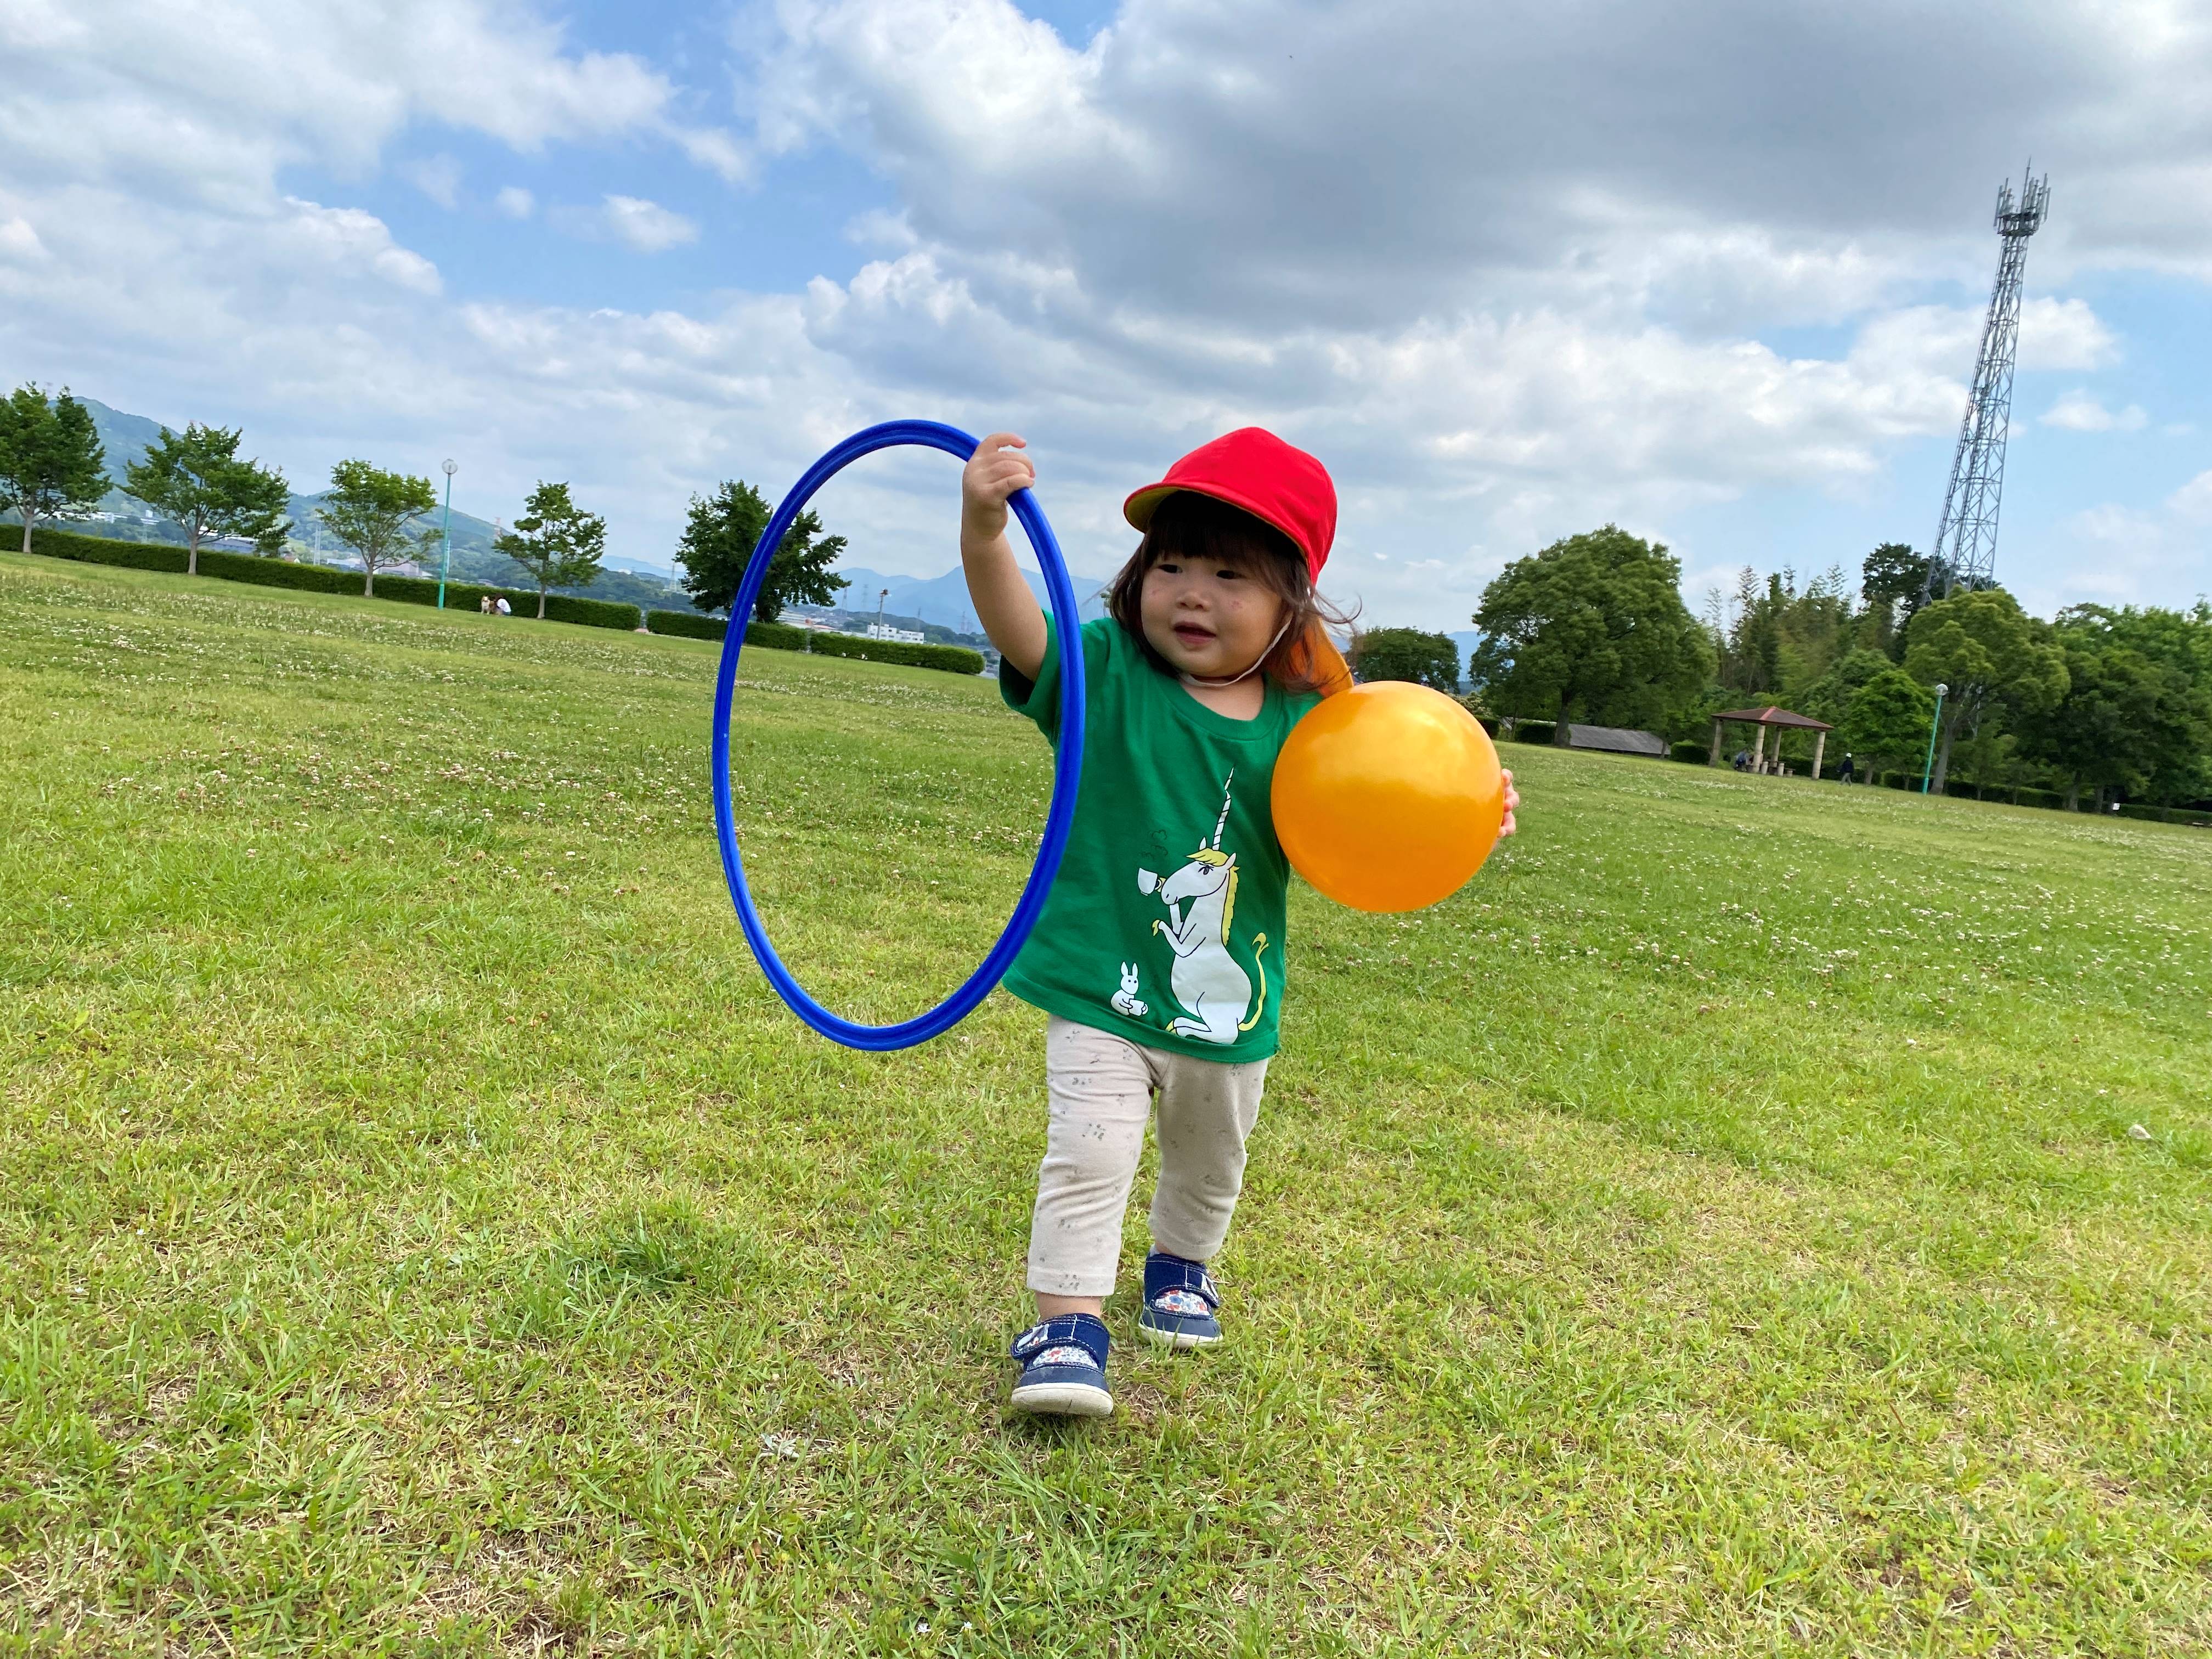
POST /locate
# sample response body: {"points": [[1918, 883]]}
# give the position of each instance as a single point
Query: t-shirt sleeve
{"points": [[1039, 699]]}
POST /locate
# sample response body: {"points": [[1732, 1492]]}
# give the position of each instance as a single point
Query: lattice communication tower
{"points": [[1966, 553]]}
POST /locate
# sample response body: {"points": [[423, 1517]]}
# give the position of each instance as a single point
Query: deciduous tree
{"points": [[1594, 624], [718, 543], [2180, 641], [1887, 721], [52, 462], [1829, 697], [374, 512], [1407, 653], [1892, 583], [2124, 719], [198, 482], [1984, 648], [555, 541]]}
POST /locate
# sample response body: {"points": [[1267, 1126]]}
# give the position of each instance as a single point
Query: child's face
{"points": [[1209, 618]]}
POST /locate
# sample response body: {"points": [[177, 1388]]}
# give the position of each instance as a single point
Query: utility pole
{"points": [[1966, 551]]}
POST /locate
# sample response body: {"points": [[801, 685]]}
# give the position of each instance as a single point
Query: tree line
{"points": [[2099, 702], [53, 467]]}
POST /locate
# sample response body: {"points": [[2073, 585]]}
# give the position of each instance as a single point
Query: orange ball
{"points": [[1389, 796]]}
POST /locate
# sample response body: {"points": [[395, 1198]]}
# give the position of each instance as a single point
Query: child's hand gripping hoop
{"points": [[1067, 764]]}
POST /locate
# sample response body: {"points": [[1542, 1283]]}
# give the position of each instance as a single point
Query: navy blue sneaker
{"points": [[1064, 1367], [1180, 1304]]}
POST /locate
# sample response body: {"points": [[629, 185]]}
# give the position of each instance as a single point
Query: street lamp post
{"points": [[446, 532], [1928, 769]]}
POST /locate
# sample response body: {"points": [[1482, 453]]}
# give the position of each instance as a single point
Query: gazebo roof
{"points": [[1616, 740], [1771, 715]]}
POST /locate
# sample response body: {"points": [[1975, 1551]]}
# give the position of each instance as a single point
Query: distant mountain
{"points": [[944, 600], [126, 437]]}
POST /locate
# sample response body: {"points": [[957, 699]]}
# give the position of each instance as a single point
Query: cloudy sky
{"points": [[1712, 269]]}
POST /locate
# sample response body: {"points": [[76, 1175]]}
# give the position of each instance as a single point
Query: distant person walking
{"points": [[1848, 772]]}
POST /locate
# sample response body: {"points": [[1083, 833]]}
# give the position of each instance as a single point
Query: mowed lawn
{"points": [[1753, 1217]]}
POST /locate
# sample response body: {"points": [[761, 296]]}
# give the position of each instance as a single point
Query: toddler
{"points": [[1158, 960]]}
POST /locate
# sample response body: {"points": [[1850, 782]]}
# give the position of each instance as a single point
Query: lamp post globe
{"points": [[446, 532]]}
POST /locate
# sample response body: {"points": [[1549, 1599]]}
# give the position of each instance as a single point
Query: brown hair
{"points": [[1189, 526]]}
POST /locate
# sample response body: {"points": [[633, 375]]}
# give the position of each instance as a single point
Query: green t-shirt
{"points": [[1165, 923]]}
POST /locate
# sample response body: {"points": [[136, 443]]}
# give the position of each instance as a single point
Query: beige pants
{"points": [[1102, 1088]]}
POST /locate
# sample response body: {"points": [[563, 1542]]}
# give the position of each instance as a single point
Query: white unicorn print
{"points": [[1202, 901]]}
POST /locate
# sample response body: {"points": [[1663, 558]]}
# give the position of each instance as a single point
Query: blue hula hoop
{"points": [[1067, 764]]}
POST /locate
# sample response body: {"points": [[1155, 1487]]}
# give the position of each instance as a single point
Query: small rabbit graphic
{"points": [[1125, 1000]]}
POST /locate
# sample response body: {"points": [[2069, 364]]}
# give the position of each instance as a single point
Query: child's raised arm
{"points": [[1004, 605]]}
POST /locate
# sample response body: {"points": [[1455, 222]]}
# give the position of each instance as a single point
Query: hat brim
{"points": [[1140, 505], [1143, 503]]}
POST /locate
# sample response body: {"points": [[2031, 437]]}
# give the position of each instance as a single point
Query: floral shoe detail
{"points": [[1180, 1304], [1063, 1367]]}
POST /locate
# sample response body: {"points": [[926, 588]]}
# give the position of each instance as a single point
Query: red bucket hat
{"points": [[1253, 468]]}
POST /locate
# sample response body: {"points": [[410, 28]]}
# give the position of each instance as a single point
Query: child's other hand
{"points": [[1512, 806], [995, 471]]}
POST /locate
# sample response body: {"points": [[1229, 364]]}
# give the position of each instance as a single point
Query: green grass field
{"points": [[1723, 1228]]}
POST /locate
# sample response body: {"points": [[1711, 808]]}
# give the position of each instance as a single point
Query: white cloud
{"points": [[331, 86], [1347, 164], [439, 178], [2193, 501], [348, 239], [647, 226], [718, 152], [2078, 411], [516, 202], [18, 240], [2136, 553]]}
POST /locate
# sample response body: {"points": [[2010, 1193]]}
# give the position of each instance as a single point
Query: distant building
{"points": [[886, 631]]}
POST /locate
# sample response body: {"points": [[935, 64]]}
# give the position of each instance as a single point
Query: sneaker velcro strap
{"points": [[1084, 1331], [1164, 1272]]}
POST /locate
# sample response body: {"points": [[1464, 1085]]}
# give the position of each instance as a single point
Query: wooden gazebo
{"points": [[1783, 720]]}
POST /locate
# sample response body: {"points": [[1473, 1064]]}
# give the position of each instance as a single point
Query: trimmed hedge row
{"points": [[2165, 815], [99, 549], [686, 625], [1535, 731], [1691, 754], [781, 636], [952, 658], [559, 607], [777, 636], [322, 579]]}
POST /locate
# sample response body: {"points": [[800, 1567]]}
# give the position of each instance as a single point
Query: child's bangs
{"points": [[1189, 526]]}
